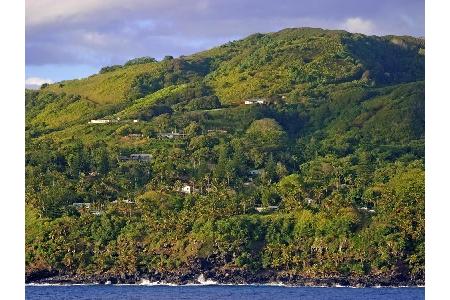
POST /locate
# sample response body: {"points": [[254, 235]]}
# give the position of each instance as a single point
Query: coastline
{"points": [[239, 277]]}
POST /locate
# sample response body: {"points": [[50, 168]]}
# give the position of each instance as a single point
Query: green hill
{"points": [[324, 179]]}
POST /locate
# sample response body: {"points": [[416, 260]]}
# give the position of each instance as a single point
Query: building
{"points": [[171, 135], [364, 208], [137, 157], [166, 135], [255, 172], [99, 121], [255, 101], [127, 201], [80, 205], [218, 130], [187, 189], [135, 135], [309, 201], [266, 209], [123, 158], [141, 157]]}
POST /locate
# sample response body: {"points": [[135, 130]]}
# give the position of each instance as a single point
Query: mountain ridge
{"points": [[285, 36]]}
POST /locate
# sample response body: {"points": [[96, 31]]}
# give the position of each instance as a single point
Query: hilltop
{"points": [[295, 156]]}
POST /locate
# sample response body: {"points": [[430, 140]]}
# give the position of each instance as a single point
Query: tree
{"points": [[162, 122], [101, 159], [143, 85], [206, 102], [193, 129], [266, 135], [78, 160], [109, 69], [140, 60], [291, 189], [269, 196]]}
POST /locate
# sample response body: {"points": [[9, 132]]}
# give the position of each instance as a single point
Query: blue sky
{"points": [[75, 38]]}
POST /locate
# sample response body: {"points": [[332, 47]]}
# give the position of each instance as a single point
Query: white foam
{"points": [[201, 280], [60, 284], [147, 282], [277, 283], [205, 281]]}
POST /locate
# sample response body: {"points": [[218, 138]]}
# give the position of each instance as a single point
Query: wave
{"points": [[146, 282], [205, 281], [60, 284], [202, 281]]}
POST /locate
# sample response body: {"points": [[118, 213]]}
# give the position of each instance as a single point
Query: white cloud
{"points": [[39, 12], [359, 25], [34, 82], [103, 32], [47, 11]]}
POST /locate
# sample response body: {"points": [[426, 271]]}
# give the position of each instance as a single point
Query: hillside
{"points": [[324, 180]]}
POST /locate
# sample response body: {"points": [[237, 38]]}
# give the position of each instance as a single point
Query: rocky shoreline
{"points": [[236, 276]]}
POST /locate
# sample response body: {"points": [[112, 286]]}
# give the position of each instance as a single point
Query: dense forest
{"points": [[295, 154]]}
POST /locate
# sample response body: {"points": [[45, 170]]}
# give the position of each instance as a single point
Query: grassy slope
{"points": [[149, 100], [304, 64], [266, 64], [107, 88]]}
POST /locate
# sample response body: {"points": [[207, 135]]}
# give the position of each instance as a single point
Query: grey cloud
{"points": [[99, 32]]}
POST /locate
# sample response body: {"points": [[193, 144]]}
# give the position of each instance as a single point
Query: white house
{"points": [[187, 189], [99, 121], [266, 209], [255, 101], [218, 130], [364, 208]]}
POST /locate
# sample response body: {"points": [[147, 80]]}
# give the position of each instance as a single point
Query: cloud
{"points": [[36, 82], [103, 32], [359, 25], [41, 12]]}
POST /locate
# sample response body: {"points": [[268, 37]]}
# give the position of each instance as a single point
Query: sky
{"points": [[74, 38]]}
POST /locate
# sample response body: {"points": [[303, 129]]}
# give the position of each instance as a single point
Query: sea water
{"points": [[210, 291]]}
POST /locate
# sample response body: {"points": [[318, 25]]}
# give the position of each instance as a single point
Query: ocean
{"points": [[213, 292]]}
